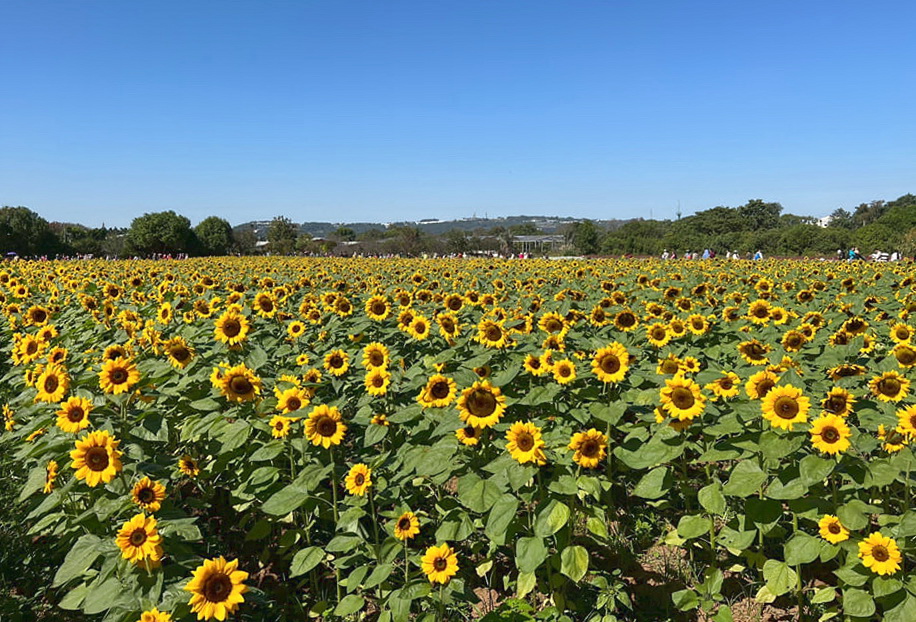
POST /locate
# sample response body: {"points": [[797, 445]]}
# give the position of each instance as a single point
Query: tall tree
{"points": [[214, 234], [281, 235], [160, 232], [24, 232]]}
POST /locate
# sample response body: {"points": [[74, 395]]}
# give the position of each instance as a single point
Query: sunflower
{"points": [[50, 476], [37, 315], [481, 405], [440, 563], [658, 334], [677, 328], [189, 466], [31, 437], [231, 328], [118, 376], [380, 419], [324, 426], [668, 366], [760, 384], [292, 399], [377, 381], [492, 334], [889, 387], [893, 441], [754, 352], [793, 340], [552, 323], [96, 458], [419, 327], [377, 308], [216, 588], [845, 370], [449, 326], [880, 554], [907, 421], [625, 321], [154, 615], [337, 362], [839, 401], [73, 415], [52, 384], [358, 480], [725, 387], [681, 398], [830, 434], [165, 313], [438, 392], [785, 406], [832, 530], [905, 354], [139, 540], [590, 448], [690, 365], [239, 384], [611, 363], [534, 365], [697, 324], [178, 351], [469, 435], [57, 356], [375, 356], [564, 371], [759, 312], [148, 494], [115, 350], [525, 443], [407, 526]]}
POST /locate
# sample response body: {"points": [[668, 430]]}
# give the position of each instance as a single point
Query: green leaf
{"points": [[101, 597], [268, 452], [774, 446], [374, 434], [551, 518], [501, 516], [745, 480], [530, 553], [235, 435], [903, 611], [858, 603], [853, 514], [526, 583], [654, 484], [885, 586], [608, 413], [823, 595], [802, 549], [85, 551], [305, 560], [34, 483], [692, 526], [379, 574], [74, 598], [815, 470], [712, 499], [350, 604], [779, 576], [479, 496], [574, 562], [286, 500]]}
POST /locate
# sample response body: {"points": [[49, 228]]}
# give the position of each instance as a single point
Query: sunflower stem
{"points": [[336, 516], [406, 564], [799, 590], [374, 523], [441, 602]]}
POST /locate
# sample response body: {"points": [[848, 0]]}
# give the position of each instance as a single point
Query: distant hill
{"points": [[546, 224]]}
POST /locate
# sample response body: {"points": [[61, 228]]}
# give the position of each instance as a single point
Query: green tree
{"points": [[160, 232], [244, 240], [281, 235], [24, 232], [214, 236], [760, 215], [842, 219], [344, 234], [584, 236], [525, 228]]}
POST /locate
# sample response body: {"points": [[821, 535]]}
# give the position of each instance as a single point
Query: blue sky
{"points": [[387, 110]]}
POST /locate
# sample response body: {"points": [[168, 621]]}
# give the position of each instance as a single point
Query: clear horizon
{"points": [[400, 111]]}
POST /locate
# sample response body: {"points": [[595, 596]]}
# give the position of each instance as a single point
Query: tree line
{"points": [[756, 225]]}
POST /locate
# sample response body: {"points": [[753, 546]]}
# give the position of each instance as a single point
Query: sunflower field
{"points": [[406, 439]]}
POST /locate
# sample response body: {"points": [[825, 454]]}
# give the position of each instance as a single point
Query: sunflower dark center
{"points": [[761, 311], [764, 387], [231, 328], [293, 403], [97, 459], [217, 587], [835, 404], [376, 359], [326, 426], [335, 361], [39, 316], [404, 524], [378, 381], [879, 552], [51, 384], [138, 537], [682, 398], [180, 353], [481, 403], [378, 308], [75, 414], [754, 350], [610, 363], [440, 564], [359, 479], [118, 375], [589, 448], [440, 390], [889, 386], [626, 319], [830, 434], [564, 370], [905, 356], [785, 407], [553, 325], [146, 495], [240, 385], [658, 333], [524, 441], [494, 333], [834, 528], [31, 347]]}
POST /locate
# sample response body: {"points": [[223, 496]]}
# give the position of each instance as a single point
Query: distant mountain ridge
{"points": [[546, 224]]}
